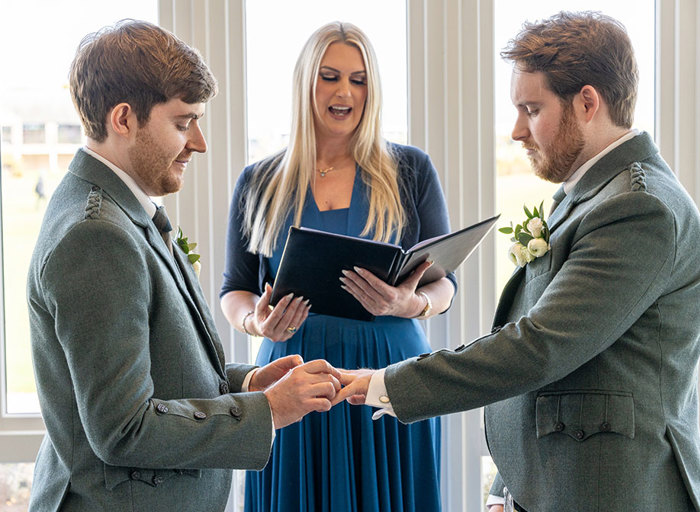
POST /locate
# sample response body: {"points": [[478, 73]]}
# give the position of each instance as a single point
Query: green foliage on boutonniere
{"points": [[187, 248], [530, 239]]}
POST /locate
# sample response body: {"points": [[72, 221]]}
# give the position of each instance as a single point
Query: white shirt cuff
{"points": [[495, 500], [244, 389], [377, 396], [246, 381]]}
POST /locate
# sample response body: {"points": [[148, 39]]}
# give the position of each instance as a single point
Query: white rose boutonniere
{"points": [[530, 239], [188, 247]]}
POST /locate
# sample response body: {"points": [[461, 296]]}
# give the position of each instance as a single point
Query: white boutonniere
{"points": [[530, 239], [188, 247]]}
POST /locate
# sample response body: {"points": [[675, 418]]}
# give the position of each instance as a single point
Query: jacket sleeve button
{"points": [[579, 434], [558, 426], [199, 415], [135, 475], [157, 480], [605, 427], [162, 408], [235, 412], [223, 388]]}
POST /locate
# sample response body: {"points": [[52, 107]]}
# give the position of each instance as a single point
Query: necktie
{"points": [[160, 219], [558, 197]]}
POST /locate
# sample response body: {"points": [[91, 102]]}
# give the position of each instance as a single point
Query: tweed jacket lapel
{"points": [[201, 308], [88, 168]]}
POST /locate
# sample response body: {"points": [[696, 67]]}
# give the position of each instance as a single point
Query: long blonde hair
{"points": [[288, 174]]}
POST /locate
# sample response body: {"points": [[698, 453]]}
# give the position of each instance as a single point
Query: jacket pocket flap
{"points": [[581, 414]]}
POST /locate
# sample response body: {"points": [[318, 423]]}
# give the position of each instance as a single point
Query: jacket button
{"points": [[157, 480], [135, 475], [605, 427], [199, 415], [579, 434], [162, 408], [223, 388], [558, 426], [235, 412]]}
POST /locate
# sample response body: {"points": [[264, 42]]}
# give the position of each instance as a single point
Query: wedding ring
{"points": [[291, 329]]}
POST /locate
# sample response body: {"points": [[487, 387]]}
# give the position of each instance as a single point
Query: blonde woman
{"points": [[339, 175]]}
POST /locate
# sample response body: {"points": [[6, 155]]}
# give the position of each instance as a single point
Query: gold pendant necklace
{"points": [[323, 172]]}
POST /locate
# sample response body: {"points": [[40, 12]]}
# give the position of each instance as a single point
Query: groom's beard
{"points": [[554, 161]]}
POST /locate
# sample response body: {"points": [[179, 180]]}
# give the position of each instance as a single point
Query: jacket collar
{"points": [[637, 148], [92, 170]]}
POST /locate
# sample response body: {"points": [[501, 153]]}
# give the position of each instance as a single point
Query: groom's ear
{"points": [[588, 101], [122, 121]]}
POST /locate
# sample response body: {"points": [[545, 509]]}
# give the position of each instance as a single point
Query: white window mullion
{"points": [[451, 117]]}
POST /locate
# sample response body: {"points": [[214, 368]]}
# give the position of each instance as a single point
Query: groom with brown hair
{"points": [[142, 413], [590, 374]]}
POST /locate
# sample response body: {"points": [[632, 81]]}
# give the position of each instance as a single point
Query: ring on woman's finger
{"points": [[291, 329]]}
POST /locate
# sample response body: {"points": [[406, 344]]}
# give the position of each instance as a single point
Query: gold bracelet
{"points": [[245, 329], [427, 308]]}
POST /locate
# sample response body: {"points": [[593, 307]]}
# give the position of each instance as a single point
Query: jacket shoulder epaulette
{"points": [[638, 182], [94, 203]]}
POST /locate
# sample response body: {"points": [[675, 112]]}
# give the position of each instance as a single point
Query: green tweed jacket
{"points": [[141, 411], [591, 369]]}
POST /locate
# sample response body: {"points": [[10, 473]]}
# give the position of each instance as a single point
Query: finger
{"points": [[356, 399], [319, 404], [345, 393], [321, 366], [366, 281], [347, 378], [373, 281], [322, 389], [414, 277], [362, 295], [273, 321], [293, 314], [300, 314], [289, 362]]}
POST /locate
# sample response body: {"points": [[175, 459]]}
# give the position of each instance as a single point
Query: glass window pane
{"points": [[516, 184], [40, 133], [270, 65]]}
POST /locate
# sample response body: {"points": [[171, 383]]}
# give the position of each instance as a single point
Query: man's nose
{"points": [[197, 142], [520, 130]]}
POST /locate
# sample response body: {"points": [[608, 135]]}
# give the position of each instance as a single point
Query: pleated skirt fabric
{"points": [[342, 460]]}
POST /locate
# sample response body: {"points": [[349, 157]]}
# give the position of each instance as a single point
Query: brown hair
{"points": [[578, 49], [137, 63]]}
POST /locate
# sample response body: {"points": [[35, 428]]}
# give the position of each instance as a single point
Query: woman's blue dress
{"points": [[342, 460]]}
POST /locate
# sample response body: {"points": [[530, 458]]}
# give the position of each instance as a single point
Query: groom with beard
{"points": [[589, 376]]}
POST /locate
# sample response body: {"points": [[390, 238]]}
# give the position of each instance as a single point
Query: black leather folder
{"points": [[313, 261]]}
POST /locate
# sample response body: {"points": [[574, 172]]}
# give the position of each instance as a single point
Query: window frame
{"points": [[451, 116]]}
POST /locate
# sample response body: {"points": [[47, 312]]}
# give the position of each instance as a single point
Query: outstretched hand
{"points": [[305, 388], [281, 322], [355, 385], [380, 298]]}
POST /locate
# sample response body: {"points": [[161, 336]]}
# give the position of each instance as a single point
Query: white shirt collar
{"points": [[578, 174], [142, 197]]}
